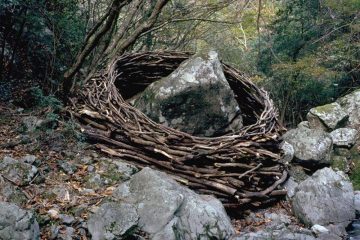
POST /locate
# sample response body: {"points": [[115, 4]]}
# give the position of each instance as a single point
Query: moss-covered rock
{"points": [[17, 171], [329, 116], [340, 163], [196, 98]]}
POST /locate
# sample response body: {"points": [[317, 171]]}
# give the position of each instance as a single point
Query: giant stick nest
{"points": [[240, 169]]}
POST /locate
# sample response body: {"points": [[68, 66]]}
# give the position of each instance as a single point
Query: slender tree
{"points": [[122, 15]]}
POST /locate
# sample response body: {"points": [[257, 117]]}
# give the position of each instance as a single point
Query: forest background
{"points": [[304, 52]]}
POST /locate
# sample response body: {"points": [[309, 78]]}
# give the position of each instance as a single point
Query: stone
{"points": [[61, 193], [67, 234], [67, 219], [303, 124], [86, 160], [17, 171], [17, 223], [350, 103], [160, 207], [53, 213], [277, 220], [196, 98], [67, 167], [290, 185], [94, 181], [11, 193], [318, 229], [30, 159], [288, 150], [327, 197], [113, 220], [344, 137], [312, 147], [329, 116]]}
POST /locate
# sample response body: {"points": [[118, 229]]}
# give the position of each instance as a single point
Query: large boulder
{"points": [[17, 224], [329, 116], [196, 98], [327, 197], [351, 105], [157, 205], [312, 147]]}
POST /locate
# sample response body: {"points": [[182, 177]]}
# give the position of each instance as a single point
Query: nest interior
{"points": [[240, 169]]}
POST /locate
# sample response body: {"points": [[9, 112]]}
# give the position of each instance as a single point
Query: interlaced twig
{"points": [[239, 168]]}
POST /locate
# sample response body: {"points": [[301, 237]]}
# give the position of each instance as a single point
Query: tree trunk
{"points": [[121, 42]]}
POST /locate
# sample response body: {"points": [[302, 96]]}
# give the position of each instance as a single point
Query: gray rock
{"points": [[67, 167], [196, 98], [351, 105], [318, 229], [167, 232], [17, 171], [94, 181], [67, 234], [303, 124], [86, 160], [329, 116], [326, 197], [113, 220], [160, 207], [67, 219], [17, 224], [344, 137], [340, 163], [336, 231], [30, 159], [288, 152], [11, 193], [290, 185], [311, 146], [277, 221]]}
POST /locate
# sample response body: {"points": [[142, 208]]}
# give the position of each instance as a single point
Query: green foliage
{"points": [[43, 101], [39, 39], [312, 55]]}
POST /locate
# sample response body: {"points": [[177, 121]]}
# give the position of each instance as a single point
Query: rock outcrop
{"points": [[156, 204], [196, 98]]}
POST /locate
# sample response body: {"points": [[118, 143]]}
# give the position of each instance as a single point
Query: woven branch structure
{"points": [[240, 169]]}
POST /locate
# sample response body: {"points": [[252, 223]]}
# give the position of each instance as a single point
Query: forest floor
{"points": [[65, 189]]}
